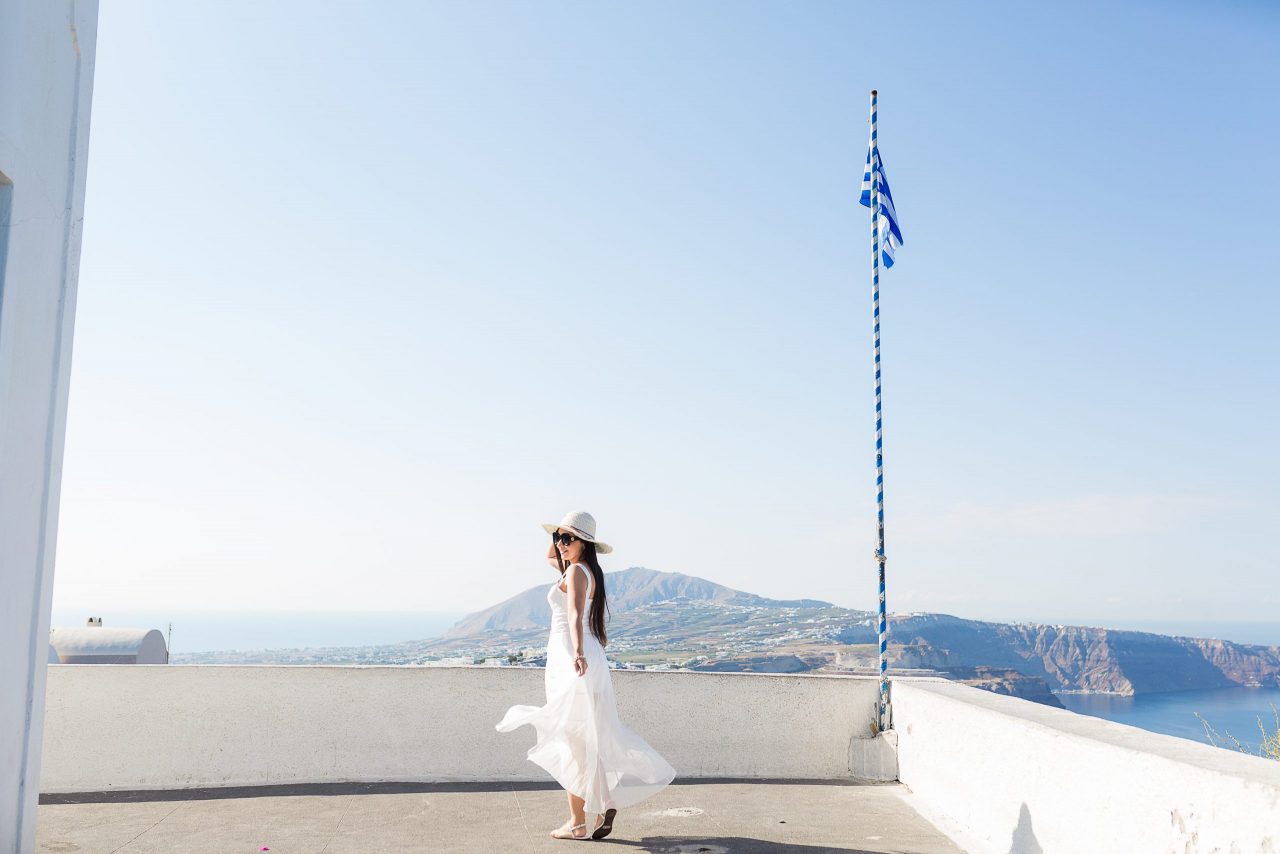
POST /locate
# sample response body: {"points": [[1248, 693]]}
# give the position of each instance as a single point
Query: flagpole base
{"points": [[874, 759]]}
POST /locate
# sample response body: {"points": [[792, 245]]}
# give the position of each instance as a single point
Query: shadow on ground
{"points": [[723, 845], [125, 796]]}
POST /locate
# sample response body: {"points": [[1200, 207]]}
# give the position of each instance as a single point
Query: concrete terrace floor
{"points": [[697, 817]]}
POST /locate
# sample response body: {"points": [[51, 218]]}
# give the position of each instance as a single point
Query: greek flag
{"points": [[890, 235]]}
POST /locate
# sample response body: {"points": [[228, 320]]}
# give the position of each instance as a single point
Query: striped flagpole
{"points": [[886, 719]]}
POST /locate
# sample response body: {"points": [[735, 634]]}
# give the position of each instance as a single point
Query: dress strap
{"points": [[590, 581]]}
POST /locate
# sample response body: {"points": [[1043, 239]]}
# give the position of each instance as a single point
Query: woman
{"points": [[602, 764]]}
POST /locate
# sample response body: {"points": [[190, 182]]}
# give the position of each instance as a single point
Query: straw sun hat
{"points": [[583, 524]]}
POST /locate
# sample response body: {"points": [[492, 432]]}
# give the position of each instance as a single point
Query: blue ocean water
{"points": [[1229, 710], [209, 631]]}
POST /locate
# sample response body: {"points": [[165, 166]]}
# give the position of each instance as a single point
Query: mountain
{"points": [[669, 620], [625, 591], [673, 619]]}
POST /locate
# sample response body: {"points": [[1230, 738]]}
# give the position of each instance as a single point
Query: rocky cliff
{"points": [[1082, 658], [1008, 682]]}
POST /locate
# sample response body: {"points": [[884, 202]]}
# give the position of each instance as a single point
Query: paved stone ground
{"points": [[757, 817]]}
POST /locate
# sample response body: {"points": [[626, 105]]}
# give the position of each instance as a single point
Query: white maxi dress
{"points": [[581, 741]]}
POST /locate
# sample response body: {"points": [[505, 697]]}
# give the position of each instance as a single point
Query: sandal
{"points": [[559, 834], [606, 826]]}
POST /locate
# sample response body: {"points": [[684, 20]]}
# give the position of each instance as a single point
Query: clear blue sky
{"points": [[367, 294]]}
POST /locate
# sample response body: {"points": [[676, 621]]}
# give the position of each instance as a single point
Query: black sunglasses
{"points": [[561, 537]]}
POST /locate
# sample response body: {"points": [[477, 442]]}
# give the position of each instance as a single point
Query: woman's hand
{"points": [[553, 557], [580, 664]]}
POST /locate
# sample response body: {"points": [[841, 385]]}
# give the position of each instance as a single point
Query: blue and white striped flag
{"points": [[890, 234]]}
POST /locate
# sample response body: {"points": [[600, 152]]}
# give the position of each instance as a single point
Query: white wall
{"points": [[1004, 775], [997, 774], [118, 727], [46, 75]]}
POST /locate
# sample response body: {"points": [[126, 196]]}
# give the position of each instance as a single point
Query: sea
{"points": [[210, 631], [1229, 711]]}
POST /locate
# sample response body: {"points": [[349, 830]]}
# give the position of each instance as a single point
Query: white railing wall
{"points": [[120, 727], [995, 773], [999, 774]]}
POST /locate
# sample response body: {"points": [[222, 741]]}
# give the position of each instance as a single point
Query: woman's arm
{"points": [[553, 557], [577, 590]]}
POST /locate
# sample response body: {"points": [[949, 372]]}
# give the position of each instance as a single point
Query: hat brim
{"points": [[601, 548]]}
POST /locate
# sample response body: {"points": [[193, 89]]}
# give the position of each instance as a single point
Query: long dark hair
{"points": [[599, 602]]}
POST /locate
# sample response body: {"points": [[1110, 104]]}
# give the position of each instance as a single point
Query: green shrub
{"points": [[1268, 749]]}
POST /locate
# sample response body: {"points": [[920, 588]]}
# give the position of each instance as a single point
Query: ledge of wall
{"points": [[999, 774], [121, 727]]}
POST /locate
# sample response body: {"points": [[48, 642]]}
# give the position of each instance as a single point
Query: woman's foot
{"points": [[569, 830], [605, 825]]}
